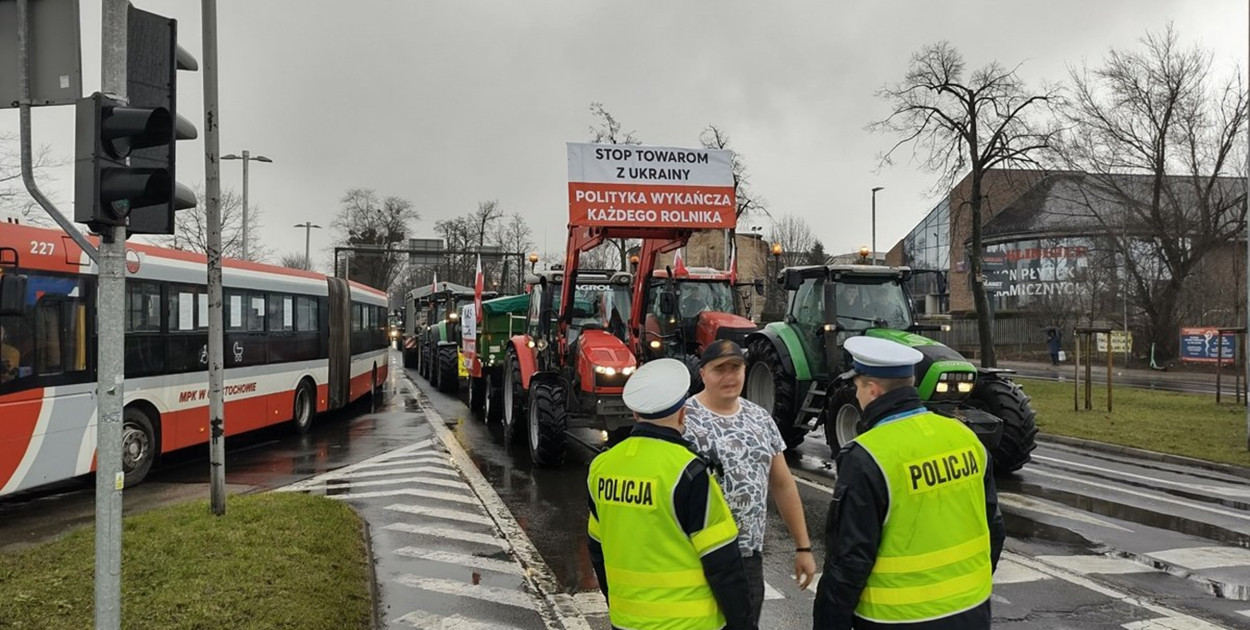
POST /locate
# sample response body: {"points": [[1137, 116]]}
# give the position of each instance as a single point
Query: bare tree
{"points": [[794, 234], [191, 227], [1159, 138], [293, 260], [747, 200], [378, 224], [15, 201], [513, 235], [954, 125], [608, 131], [459, 235]]}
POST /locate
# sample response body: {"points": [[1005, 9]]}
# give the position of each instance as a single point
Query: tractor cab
{"points": [[685, 312]]}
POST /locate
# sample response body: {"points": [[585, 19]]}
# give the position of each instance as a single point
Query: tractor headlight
{"points": [[942, 388], [655, 344], [453, 316], [530, 343], [964, 387], [542, 344], [627, 370], [605, 370]]}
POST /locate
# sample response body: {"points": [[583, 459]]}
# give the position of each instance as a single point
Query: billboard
{"points": [[1207, 345], [614, 185], [1033, 271]]}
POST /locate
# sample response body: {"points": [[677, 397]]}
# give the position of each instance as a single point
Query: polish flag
{"points": [[478, 282], [733, 266], [679, 265], [434, 285]]}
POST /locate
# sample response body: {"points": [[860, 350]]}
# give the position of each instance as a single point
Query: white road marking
{"points": [[460, 559], [772, 593], [318, 483], [452, 534], [435, 467], [1171, 623], [999, 599], [812, 484], [1028, 503], [1085, 565], [409, 461], [1204, 557], [346, 470], [407, 492], [451, 515], [1009, 572], [1189, 504], [1084, 582], [431, 621], [562, 612], [1221, 490], [423, 481], [464, 589], [591, 603], [1245, 613]]}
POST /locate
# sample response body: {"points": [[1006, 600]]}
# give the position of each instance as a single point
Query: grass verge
{"points": [[1181, 424], [279, 560]]}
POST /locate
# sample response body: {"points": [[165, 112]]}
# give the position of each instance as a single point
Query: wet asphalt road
{"points": [[1094, 541]]}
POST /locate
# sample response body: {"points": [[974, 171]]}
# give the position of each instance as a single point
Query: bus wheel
{"points": [[302, 414], [138, 445]]}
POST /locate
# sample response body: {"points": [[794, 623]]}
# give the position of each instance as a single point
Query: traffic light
{"points": [[125, 158]]}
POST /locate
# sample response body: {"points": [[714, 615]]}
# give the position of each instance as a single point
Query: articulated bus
{"points": [[297, 343]]}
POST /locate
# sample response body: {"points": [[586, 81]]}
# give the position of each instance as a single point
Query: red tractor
{"points": [[683, 310]]}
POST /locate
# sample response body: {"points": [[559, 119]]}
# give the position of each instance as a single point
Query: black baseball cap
{"points": [[720, 349]]}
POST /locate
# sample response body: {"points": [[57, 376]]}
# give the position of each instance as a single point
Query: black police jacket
{"points": [[861, 500]]}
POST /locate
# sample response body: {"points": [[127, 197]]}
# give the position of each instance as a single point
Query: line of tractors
{"points": [[557, 357]]}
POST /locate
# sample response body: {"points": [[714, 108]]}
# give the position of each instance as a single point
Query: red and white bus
{"points": [[296, 343]]}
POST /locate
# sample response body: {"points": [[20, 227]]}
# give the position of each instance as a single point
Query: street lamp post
{"points": [[246, 157], [874, 222], [308, 226]]}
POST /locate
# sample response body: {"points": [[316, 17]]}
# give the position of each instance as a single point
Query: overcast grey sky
{"points": [[449, 103]]}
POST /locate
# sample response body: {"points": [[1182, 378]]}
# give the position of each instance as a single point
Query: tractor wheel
{"points": [[423, 364], [410, 360], [448, 371], [771, 387], [1005, 399], [494, 396], [548, 421], [514, 408], [477, 395], [842, 419]]}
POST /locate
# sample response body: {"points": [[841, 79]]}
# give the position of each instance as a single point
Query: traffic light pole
{"points": [[111, 352], [216, 343]]}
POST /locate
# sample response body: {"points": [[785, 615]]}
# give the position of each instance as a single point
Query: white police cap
{"points": [[882, 358], [657, 389]]}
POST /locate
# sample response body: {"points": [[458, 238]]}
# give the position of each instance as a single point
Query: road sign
{"points": [[1121, 342], [644, 186], [54, 50], [1207, 345]]}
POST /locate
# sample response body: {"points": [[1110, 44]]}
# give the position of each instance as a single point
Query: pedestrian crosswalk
{"points": [[437, 546]]}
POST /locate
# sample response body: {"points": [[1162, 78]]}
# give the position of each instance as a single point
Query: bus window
{"points": [[143, 307], [281, 313], [182, 303], [306, 314], [16, 342], [256, 313], [51, 337]]}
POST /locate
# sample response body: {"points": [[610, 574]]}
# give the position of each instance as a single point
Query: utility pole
{"points": [[216, 340], [308, 226], [111, 353], [246, 157]]}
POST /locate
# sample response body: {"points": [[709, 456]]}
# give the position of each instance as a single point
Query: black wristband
{"points": [[802, 549]]}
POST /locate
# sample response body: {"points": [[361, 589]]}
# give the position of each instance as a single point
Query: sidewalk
{"points": [[1193, 382], [447, 553]]}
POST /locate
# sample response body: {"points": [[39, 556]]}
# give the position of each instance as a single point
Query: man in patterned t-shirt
{"points": [[744, 438]]}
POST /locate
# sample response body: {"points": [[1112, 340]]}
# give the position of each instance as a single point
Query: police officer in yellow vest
{"points": [[662, 540], [914, 533]]}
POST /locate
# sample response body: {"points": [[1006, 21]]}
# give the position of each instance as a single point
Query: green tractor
{"points": [[439, 360], [501, 318], [796, 366]]}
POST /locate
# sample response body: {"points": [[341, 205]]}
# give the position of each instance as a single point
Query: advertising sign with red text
{"points": [[613, 185]]}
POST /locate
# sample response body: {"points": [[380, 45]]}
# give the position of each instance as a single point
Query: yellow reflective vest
{"points": [[934, 558], [654, 572]]}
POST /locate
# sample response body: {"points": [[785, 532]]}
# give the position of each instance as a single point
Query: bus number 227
{"points": [[42, 248]]}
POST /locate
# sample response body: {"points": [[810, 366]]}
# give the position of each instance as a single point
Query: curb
{"points": [[375, 619], [1167, 458]]}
